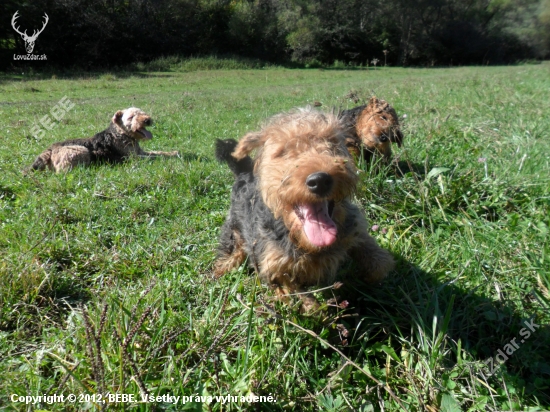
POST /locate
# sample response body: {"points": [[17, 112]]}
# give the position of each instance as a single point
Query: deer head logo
{"points": [[29, 40]]}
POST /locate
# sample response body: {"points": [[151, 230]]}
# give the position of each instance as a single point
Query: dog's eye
{"points": [[384, 117], [383, 138]]}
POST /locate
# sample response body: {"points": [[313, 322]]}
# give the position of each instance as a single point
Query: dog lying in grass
{"points": [[373, 128], [291, 211], [114, 144]]}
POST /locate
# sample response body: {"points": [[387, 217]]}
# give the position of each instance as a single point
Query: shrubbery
{"points": [[405, 32]]}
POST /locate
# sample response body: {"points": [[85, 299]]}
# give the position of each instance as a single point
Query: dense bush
{"points": [[397, 32]]}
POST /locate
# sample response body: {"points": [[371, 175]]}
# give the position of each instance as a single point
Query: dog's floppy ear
{"points": [[117, 116], [248, 143]]}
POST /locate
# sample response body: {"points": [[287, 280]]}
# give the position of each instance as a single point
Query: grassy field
{"points": [[105, 272]]}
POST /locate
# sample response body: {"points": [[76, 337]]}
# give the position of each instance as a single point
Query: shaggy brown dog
{"points": [[120, 140], [291, 211], [373, 128]]}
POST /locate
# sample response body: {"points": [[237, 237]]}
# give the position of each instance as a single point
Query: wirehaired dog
{"points": [[373, 128], [120, 140], [291, 212]]}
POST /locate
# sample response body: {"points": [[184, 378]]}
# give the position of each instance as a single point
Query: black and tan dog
{"points": [[291, 211], [120, 140], [373, 128]]}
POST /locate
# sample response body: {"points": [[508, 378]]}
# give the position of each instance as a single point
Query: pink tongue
{"points": [[319, 228], [146, 133]]}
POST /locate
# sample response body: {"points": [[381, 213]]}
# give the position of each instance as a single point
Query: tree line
{"points": [[115, 33]]}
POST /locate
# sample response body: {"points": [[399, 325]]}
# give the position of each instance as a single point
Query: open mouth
{"points": [[317, 222]]}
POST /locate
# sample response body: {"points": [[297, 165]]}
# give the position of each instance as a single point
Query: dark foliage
{"points": [[117, 33]]}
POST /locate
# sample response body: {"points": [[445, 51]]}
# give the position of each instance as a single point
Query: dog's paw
{"points": [[310, 305]]}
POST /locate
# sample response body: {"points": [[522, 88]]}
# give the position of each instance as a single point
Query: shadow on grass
{"points": [[453, 327]]}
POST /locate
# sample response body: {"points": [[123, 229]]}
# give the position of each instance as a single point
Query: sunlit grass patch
{"points": [[105, 276]]}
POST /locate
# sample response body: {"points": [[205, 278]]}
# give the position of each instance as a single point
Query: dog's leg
{"points": [[64, 158], [231, 253], [283, 283], [159, 154], [285, 288], [374, 262]]}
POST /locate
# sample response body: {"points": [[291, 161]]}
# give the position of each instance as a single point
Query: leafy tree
{"points": [[398, 32]]}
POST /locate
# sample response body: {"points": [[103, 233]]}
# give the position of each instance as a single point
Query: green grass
{"points": [[105, 276]]}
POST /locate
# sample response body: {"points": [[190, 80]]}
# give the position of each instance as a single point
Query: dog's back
{"points": [[349, 117], [224, 148], [104, 146]]}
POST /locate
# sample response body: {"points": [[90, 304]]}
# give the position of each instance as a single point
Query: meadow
{"points": [[106, 272]]}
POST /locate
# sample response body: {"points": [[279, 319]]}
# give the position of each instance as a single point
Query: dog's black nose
{"points": [[319, 183]]}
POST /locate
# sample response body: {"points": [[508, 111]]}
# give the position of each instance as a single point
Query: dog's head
{"points": [[133, 122], [305, 174], [378, 127]]}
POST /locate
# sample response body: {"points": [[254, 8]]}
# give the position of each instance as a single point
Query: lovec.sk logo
{"points": [[29, 40]]}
